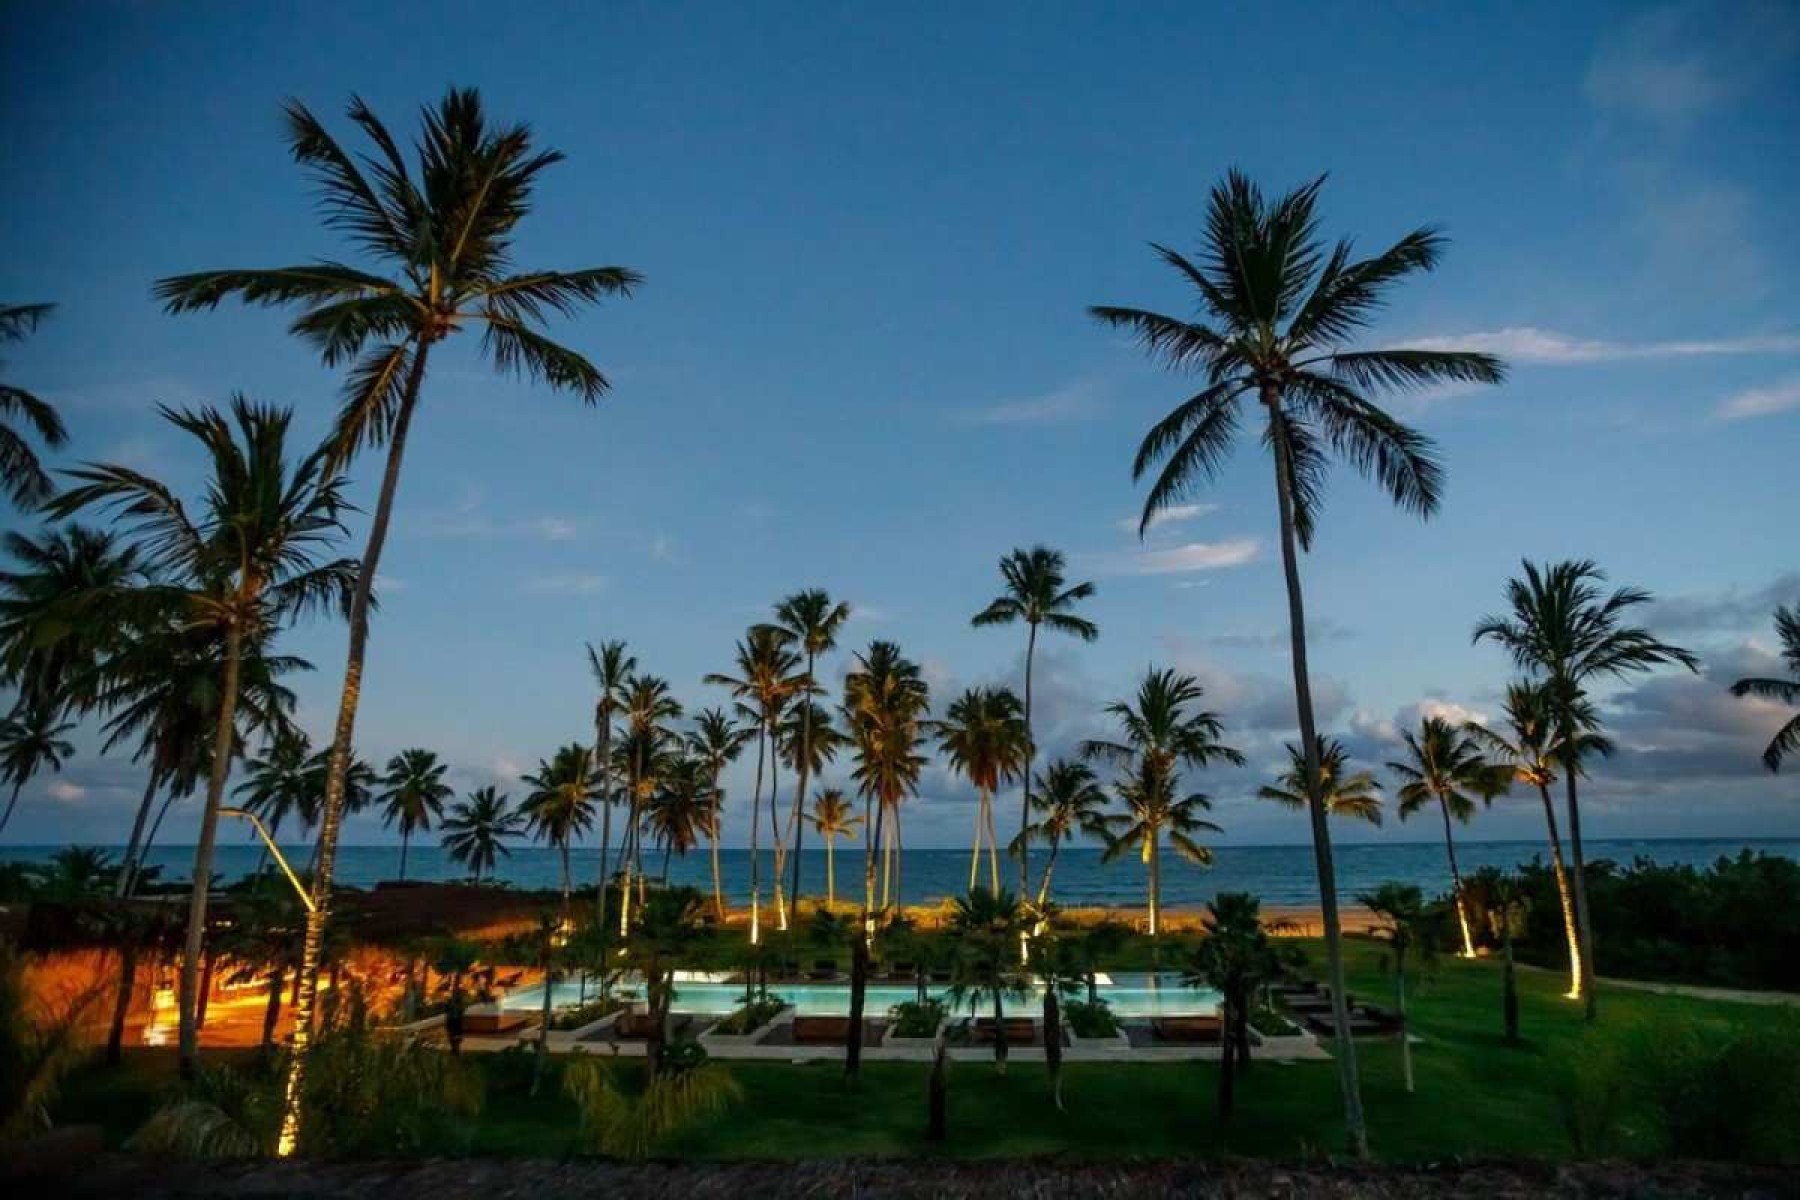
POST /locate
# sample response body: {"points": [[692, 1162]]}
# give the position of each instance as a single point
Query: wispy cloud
{"points": [[66, 792], [1178, 560], [1761, 401], [1544, 347], [565, 585], [1174, 514], [1071, 402]]}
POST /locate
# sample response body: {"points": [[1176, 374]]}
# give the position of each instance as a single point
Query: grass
{"points": [[1476, 1095]]}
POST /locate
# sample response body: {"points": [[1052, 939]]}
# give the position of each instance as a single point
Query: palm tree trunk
{"points": [[1227, 1061], [1049, 869], [7, 815], [1344, 1050], [206, 982], [568, 879], [668, 849], [762, 733], [900, 857], [1030, 757], [1584, 918], [1155, 884], [544, 1015], [1562, 893], [779, 846], [872, 814], [999, 1033], [993, 849], [805, 772], [830, 872], [128, 869], [603, 753], [1456, 884], [981, 803], [1406, 1066], [128, 962], [272, 1010], [343, 733], [203, 853], [718, 884], [405, 844]]}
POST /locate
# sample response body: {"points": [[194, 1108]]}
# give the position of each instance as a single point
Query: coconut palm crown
{"points": [[1785, 691], [1343, 793], [22, 477]]}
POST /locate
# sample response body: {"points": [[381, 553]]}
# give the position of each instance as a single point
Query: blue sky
{"points": [[862, 361]]}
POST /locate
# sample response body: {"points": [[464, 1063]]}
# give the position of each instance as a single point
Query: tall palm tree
{"points": [[886, 705], [649, 707], [1164, 731], [807, 742], [439, 248], [360, 782], [245, 565], [1408, 928], [413, 795], [716, 740], [1784, 691], [30, 740], [1070, 800], [680, 808], [60, 609], [765, 679], [559, 806], [986, 927], [984, 736], [1446, 767], [277, 784], [1342, 793], [1036, 593], [476, 830], [833, 817], [1567, 632], [811, 620], [1237, 958], [22, 477], [1279, 312], [1532, 746], [613, 666]]}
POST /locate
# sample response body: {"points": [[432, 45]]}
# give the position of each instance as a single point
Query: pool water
{"points": [[1129, 995]]}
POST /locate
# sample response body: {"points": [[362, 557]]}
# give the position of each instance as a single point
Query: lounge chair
{"points": [[940, 975], [1189, 1031], [483, 1023], [824, 970], [637, 1027], [1020, 1031], [902, 972], [827, 1031]]}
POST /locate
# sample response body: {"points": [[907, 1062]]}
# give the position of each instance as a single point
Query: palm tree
{"points": [[1070, 800], [61, 610], [764, 680], [1343, 794], [986, 927], [680, 810], [21, 476], [30, 740], [1163, 732], [413, 795], [1446, 767], [246, 566], [1533, 749], [1784, 691], [1237, 958], [476, 830], [360, 782], [456, 959], [648, 709], [886, 705], [716, 740], [807, 742], [983, 734], [559, 807], [613, 667], [1035, 593], [833, 817], [444, 239], [1280, 312], [812, 622], [1409, 928], [278, 784], [1565, 632]]}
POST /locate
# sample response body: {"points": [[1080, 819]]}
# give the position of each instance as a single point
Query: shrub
{"points": [[585, 1014], [916, 1018], [1090, 1020], [620, 1119], [751, 1017]]}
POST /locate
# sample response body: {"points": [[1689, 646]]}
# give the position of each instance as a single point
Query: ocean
{"points": [[1280, 875]]}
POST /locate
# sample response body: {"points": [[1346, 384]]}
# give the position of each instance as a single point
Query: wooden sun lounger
{"points": [[637, 1026], [902, 971], [828, 1031], [824, 970], [1020, 1031], [501, 1021], [1192, 1031]]}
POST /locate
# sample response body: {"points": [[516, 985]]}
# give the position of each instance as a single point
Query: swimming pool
{"points": [[1130, 995]]}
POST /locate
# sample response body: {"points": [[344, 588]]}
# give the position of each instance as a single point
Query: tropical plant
{"points": [[987, 926], [1237, 958], [476, 830], [811, 620], [984, 736], [764, 681], [1567, 633], [1343, 794], [680, 810], [886, 706], [1409, 928], [617, 1121], [1533, 748], [454, 960], [1783, 691], [61, 610], [445, 238], [260, 941], [1279, 312], [716, 741], [649, 707], [276, 783], [613, 666], [1069, 800], [41, 1041], [1037, 593], [246, 565], [1445, 766], [22, 477], [1501, 899], [1163, 732], [833, 817], [559, 806], [413, 794], [30, 740], [672, 922]]}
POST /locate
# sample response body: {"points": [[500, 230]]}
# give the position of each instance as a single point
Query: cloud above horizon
{"points": [[1530, 346], [1179, 559], [1071, 402], [1761, 401]]}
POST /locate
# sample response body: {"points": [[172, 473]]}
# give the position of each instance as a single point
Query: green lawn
{"points": [[1476, 1095]]}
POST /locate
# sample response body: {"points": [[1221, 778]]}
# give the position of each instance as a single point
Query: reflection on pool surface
{"points": [[1130, 995]]}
